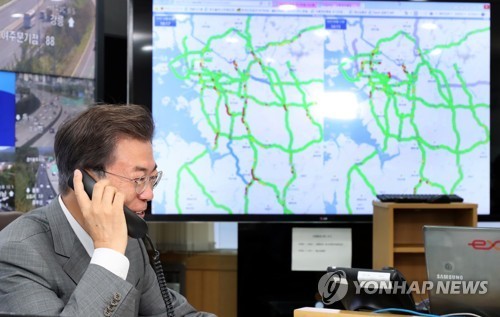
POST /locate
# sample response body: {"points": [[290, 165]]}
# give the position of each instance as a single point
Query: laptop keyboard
{"points": [[420, 198]]}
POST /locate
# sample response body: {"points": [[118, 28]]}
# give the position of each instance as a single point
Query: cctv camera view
{"points": [[29, 176], [48, 37], [7, 178], [314, 107], [44, 102]]}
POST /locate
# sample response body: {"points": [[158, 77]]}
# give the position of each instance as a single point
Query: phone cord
{"points": [[160, 275]]}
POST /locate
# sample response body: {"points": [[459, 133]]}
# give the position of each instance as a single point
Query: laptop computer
{"points": [[463, 264]]}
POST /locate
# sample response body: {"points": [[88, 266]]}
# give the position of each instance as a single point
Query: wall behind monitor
{"points": [[495, 116]]}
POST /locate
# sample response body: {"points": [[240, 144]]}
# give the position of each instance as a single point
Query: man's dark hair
{"points": [[89, 140]]}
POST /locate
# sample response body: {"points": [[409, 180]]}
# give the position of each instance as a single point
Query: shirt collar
{"points": [[81, 234]]}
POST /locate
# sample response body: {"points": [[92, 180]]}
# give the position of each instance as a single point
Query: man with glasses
{"points": [[73, 257]]}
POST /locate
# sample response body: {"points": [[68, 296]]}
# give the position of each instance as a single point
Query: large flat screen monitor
{"points": [[311, 108]]}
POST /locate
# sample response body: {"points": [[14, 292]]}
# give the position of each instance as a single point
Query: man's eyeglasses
{"points": [[141, 182]]}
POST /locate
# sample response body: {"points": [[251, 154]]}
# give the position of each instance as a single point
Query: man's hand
{"points": [[103, 216]]}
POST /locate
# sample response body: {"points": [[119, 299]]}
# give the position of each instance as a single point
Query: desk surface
{"points": [[323, 312]]}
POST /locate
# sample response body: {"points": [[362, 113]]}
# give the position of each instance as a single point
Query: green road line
{"points": [[178, 182], [355, 168], [205, 192], [471, 105]]}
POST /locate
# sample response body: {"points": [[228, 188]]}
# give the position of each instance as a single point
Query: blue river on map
{"points": [[331, 208]]}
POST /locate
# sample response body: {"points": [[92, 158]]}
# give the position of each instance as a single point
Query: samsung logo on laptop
{"points": [[479, 244], [449, 277]]}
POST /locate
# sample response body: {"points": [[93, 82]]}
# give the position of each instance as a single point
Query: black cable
{"points": [[160, 275]]}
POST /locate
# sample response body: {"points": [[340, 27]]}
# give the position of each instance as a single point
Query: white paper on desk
{"points": [[315, 249]]}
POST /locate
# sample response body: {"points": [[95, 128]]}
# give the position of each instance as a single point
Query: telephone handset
{"points": [[136, 226]]}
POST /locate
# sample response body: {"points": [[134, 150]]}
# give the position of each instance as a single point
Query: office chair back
{"points": [[7, 217]]}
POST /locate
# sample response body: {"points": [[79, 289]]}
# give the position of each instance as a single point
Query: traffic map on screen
{"points": [[316, 107]]}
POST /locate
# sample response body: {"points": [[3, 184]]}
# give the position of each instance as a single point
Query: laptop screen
{"points": [[463, 267]]}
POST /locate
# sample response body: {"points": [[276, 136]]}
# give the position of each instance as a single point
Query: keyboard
{"points": [[420, 198]]}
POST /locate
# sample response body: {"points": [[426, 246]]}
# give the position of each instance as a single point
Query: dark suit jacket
{"points": [[44, 269]]}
